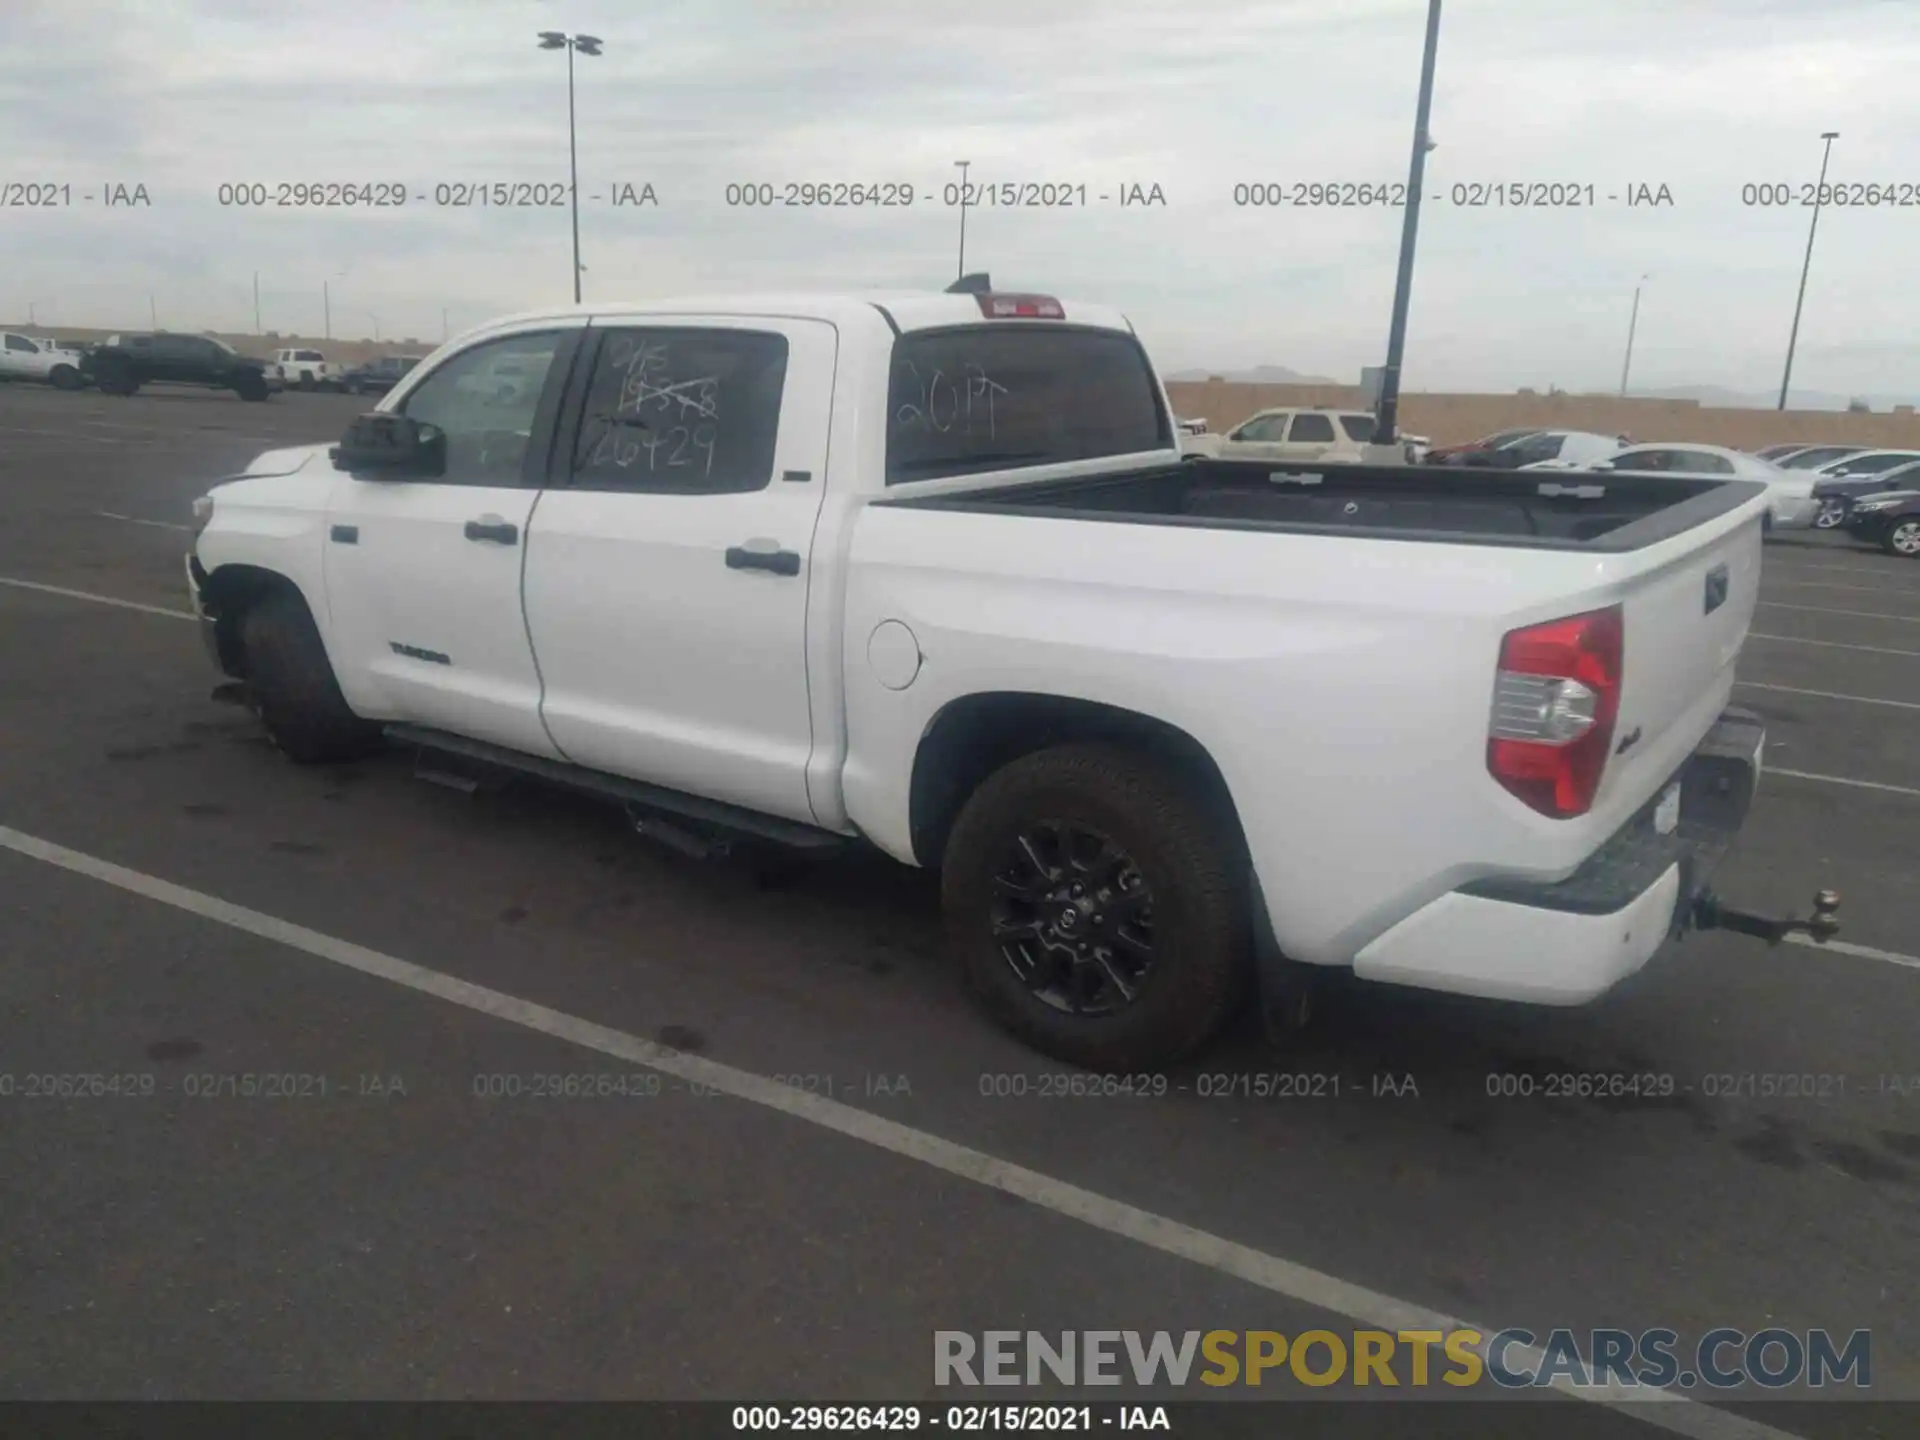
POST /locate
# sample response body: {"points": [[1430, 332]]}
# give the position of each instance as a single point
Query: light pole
{"points": [[256, 302], [376, 324], [32, 319], [153, 312], [326, 305], [1385, 429], [586, 45], [1632, 323], [443, 324], [1819, 194], [963, 166]]}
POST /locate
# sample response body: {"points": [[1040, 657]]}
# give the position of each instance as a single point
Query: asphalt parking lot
{"points": [[178, 905]]}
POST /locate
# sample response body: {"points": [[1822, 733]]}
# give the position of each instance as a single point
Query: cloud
{"points": [[1197, 97]]}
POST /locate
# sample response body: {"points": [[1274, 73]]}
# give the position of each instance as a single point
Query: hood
{"points": [[283, 462]]}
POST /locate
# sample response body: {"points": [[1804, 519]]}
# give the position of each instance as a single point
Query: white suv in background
{"points": [[1293, 433], [302, 370]]}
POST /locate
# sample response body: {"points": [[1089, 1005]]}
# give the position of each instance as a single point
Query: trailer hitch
{"points": [[1822, 925]]}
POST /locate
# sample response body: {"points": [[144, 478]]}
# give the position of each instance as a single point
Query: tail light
{"points": [[1555, 700]]}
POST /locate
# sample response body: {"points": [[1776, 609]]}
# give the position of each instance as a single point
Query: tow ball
{"points": [[1822, 925]]}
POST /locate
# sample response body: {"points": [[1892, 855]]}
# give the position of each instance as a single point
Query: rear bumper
{"points": [[1567, 942], [1794, 512]]}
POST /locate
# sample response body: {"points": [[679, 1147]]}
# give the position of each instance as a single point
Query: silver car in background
{"points": [[1792, 504]]}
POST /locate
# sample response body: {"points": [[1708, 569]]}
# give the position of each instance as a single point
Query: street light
{"points": [[1819, 194], [1627, 364], [1385, 429], [586, 45], [962, 166], [376, 324]]}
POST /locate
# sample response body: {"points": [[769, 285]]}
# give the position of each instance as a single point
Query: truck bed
{"points": [[1562, 510]]}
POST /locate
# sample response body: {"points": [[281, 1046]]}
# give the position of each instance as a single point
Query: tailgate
{"points": [[1685, 622]]}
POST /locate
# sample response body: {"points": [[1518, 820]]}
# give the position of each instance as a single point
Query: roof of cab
{"points": [[911, 309]]}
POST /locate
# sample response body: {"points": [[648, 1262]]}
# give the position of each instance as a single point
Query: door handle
{"points": [[492, 527], [780, 562]]}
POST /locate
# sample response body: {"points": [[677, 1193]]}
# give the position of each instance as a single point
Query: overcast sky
{"points": [[1701, 96]]}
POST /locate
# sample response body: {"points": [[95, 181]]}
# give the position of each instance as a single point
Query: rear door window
{"points": [[682, 411], [1358, 427], [1015, 395], [1313, 428]]}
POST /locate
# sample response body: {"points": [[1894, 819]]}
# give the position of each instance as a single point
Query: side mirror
{"points": [[391, 446]]}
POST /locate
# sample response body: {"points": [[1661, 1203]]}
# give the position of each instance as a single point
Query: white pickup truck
{"points": [[928, 573], [302, 370], [26, 357]]}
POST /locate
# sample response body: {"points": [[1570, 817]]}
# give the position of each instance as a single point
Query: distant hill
{"points": [[1259, 375]]}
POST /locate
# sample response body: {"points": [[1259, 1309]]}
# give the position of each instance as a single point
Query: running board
{"points": [[634, 794]]}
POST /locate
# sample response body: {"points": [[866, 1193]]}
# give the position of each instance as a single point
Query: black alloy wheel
{"points": [[1072, 917], [1903, 538]]}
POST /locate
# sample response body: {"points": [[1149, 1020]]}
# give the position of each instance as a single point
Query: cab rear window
{"points": [[1014, 395]]}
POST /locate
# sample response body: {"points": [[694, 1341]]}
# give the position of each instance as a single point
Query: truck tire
{"points": [[1098, 909], [64, 377], [115, 377], [251, 387], [293, 685]]}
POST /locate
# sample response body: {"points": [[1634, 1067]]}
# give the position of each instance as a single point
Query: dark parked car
{"points": [[376, 377], [126, 362], [1839, 495], [1891, 521], [1455, 454]]}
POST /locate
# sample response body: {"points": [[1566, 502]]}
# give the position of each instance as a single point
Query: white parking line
{"points": [[1842, 780], [1666, 1409], [1864, 952], [1829, 585], [1856, 614], [1827, 694], [1831, 644], [1886, 571], [1773, 562], [97, 599], [136, 520]]}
